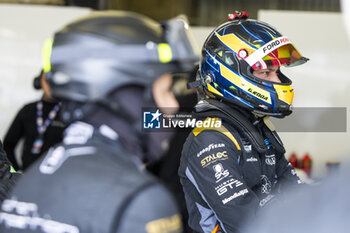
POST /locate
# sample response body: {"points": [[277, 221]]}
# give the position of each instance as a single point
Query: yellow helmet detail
{"points": [[285, 93], [46, 54], [164, 53]]}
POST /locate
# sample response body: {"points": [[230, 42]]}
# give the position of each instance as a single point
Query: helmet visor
{"points": [[278, 52], [181, 41]]}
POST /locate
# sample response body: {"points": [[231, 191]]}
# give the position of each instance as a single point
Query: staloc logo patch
{"points": [[214, 158]]}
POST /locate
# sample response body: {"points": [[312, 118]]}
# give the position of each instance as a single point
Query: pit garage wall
{"points": [[23, 29], [323, 82]]}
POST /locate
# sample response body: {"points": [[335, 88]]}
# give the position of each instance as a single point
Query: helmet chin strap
{"points": [[258, 114], [277, 115]]}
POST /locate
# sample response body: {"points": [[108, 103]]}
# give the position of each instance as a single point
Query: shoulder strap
{"points": [[272, 136], [214, 108], [222, 129]]}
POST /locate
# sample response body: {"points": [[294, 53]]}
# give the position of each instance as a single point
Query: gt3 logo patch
{"points": [[230, 184]]}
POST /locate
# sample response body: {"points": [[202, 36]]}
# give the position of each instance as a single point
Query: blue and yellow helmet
{"points": [[231, 53]]}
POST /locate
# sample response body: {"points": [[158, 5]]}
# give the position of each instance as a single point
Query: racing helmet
{"points": [[236, 48], [93, 56]]}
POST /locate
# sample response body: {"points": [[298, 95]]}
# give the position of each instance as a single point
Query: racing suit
{"points": [[88, 184], [227, 173]]}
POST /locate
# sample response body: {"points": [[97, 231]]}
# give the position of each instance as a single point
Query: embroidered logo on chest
{"points": [[252, 159], [270, 159]]}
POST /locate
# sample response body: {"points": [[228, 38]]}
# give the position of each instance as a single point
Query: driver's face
{"points": [[268, 74]]}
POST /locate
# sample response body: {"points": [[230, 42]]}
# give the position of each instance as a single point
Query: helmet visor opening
{"points": [[286, 55]]}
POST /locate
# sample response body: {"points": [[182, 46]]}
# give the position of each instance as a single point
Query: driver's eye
{"points": [[263, 73]]}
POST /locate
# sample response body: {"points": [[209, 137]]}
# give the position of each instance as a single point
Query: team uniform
{"points": [[227, 175], [229, 172], [89, 184]]}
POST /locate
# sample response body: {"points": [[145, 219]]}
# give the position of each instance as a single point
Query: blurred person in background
{"points": [[320, 208], [104, 69], [166, 168], [230, 172], [38, 124]]}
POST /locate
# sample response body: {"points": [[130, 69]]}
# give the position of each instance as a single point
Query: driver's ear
{"points": [[163, 96]]}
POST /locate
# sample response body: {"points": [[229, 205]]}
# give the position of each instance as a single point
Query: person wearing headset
{"points": [[231, 171], [104, 68]]}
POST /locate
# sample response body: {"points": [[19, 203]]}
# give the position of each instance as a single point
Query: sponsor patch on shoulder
{"points": [[235, 195], [227, 185], [214, 158], [248, 148], [210, 147], [220, 172]]}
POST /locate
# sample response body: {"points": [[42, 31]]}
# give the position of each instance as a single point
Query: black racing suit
{"points": [[88, 184], [224, 177], [24, 126]]}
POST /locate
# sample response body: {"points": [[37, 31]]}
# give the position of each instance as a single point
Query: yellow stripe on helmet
{"points": [[46, 54], [245, 85], [213, 90], [164, 53], [271, 35], [232, 41], [285, 93]]}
